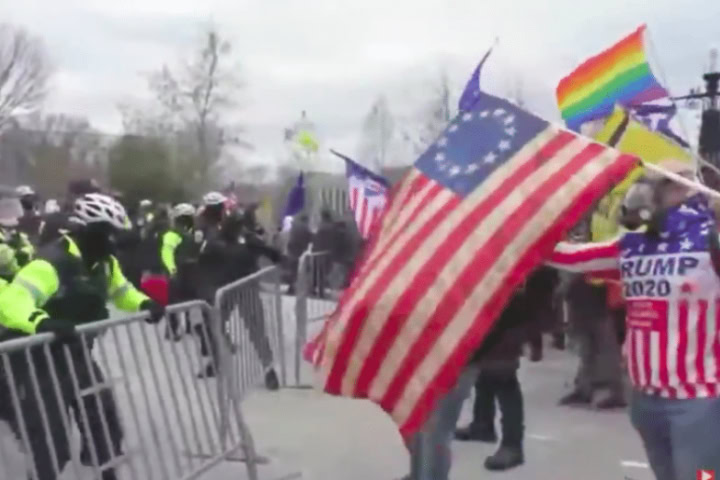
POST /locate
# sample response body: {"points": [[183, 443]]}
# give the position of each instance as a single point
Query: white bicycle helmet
{"points": [[99, 208], [24, 191], [146, 203], [214, 198], [182, 210], [52, 206]]}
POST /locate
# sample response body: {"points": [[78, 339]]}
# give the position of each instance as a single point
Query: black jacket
{"points": [[529, 304], [325, 238], [52, 227], [29, 224], [300, 239]]}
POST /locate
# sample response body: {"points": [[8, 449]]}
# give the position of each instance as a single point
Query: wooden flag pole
{"points": [[680, 179]]}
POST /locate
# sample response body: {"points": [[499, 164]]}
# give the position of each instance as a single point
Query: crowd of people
{"points": [[61, 267], [641, 311]]}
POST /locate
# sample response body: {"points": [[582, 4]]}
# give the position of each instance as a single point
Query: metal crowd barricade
{"points": [[317, 289], [119, 401]]}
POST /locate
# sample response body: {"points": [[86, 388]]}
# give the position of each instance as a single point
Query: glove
{"points": [[157, 311], [62, 329]]}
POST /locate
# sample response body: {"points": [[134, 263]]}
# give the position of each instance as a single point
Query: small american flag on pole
{"points": [[482, 207], [367, 193]]}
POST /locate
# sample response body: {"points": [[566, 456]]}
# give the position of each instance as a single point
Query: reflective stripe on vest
{"points": [[120, 291], [36, 293]]}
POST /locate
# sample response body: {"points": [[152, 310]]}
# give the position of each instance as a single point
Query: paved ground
{"points": [[312, 436], [324, 438]]}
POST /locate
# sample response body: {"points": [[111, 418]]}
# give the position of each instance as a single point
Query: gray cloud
{"points": [[332, 58]]}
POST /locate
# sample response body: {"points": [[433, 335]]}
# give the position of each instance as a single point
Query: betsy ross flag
{"points": [[481, 208], [367, 194]]}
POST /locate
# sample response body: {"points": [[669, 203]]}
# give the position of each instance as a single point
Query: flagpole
{"points": [[682, 180], [698, 160]]}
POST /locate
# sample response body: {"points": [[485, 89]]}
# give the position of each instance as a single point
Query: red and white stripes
{"points": [[442, 267]]}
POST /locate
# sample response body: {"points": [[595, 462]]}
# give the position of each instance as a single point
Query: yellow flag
{"points": [[307, 140], [638, 140]]}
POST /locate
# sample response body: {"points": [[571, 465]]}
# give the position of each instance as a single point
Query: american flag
{"points": [[367, 194], [480, 209]]}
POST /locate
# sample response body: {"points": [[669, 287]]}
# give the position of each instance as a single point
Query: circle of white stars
{"points": [[503, 118]]}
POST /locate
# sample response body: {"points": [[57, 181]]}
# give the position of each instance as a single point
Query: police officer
{"points": [[10, 236], [178, 257], [210, 273], [69, 283], [10, 210]]}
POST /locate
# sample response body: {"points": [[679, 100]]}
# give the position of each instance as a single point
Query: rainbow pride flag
{"points": [[620, 74]]}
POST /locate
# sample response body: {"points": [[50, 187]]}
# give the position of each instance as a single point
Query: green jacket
{"points": [[169, 243], [58, 284], [15, 252]]}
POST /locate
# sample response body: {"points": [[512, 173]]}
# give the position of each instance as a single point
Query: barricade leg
{"points": [[106, 432], [277, 299]]}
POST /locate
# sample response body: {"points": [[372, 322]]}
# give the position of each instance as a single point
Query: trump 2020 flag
{"points": [[367, 192], [482, 207]]}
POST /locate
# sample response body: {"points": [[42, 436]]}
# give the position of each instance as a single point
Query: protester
{"points": [[242, 254], [670, 278], [498, 373], [298, 243], [430, 456], [599, 378], [324, 243]]}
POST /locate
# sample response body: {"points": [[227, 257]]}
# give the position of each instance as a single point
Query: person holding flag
{"points": [[671, 280]]}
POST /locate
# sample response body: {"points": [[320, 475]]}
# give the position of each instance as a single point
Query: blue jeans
{"points": [[430, 448], [680, 436]]}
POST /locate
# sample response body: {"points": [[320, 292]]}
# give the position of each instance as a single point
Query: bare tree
{"points": [[193, 101], [63, 147], [432, 119], [377, 134], [24, 72]]}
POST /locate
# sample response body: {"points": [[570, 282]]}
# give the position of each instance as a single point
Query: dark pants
{"points": [[505, 387], [102, 432], [321, 275], [253, 315]]}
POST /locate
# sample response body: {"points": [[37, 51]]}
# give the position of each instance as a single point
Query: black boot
{"points": [[505, 458], [476, 433], [109, 475], [272, 382], [207, 372]]}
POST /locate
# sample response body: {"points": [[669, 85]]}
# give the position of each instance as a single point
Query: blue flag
{"points": [[657, 118], [472, 90], [296, 198]]}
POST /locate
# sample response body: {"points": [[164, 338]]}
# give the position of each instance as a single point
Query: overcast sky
{"points": [[333, 57]]}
